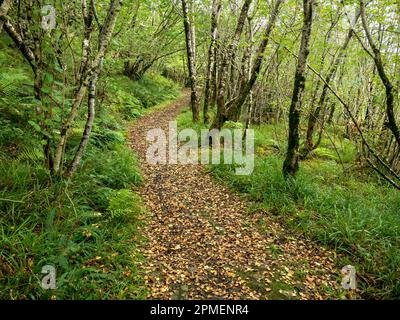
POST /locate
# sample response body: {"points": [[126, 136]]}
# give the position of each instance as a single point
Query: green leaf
{"points": [[48, 77], [59, 83], [35, 125], [46, 90]]}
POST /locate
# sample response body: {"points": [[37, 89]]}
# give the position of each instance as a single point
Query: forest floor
{"points": [[202, 242]]}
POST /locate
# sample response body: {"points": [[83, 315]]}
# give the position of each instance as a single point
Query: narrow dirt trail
{"points": [[204, 244]]}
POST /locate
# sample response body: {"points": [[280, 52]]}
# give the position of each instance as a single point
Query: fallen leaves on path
{"points": [[204, 244]]}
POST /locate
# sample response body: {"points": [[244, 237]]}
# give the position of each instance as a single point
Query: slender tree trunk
{"points": [[93, 69], [235, 108], [391, 118], [88, 12], [369, 113], [88, 15], [315, 114], [191, 59], [216, 9], [214, 75], [88, 126], [249, 110], [229, 59], [104, 39], [192, 30], [333, 104], [291, 163]]}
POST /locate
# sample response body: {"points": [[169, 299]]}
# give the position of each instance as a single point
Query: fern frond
{"points": [[30, 154]]}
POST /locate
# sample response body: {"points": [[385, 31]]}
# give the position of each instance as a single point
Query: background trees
{"points": [[250, 48], [240, 60]]}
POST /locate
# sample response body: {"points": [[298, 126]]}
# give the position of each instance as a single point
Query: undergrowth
{"points": [[87, 226], [331, 201]]}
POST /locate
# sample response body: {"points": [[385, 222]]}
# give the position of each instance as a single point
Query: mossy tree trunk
{"points": [[291, 163]]}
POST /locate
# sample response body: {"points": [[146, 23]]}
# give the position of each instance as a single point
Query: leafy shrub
{"points": [[109, 120], [144, 93], [130, 112], [10, 133], [128, 105], [13, 138]]}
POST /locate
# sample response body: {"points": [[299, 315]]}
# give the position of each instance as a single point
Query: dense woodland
{"points": [[318, 81]]}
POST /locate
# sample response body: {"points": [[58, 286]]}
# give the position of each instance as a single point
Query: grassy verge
{"points": [[86, 227], [332, 201]]}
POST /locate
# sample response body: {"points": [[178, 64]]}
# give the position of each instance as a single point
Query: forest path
{"points": [[204, 244]]}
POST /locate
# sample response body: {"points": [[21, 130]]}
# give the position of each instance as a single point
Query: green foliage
{"points": [[125, 204], [185, 120], [11, 134], [359, 219], [130, 97], [46, 219], [116, 169], [271, 137], [325, 153], [354, 214], [87, 227], [66, 224], [104, 137], [233, 125]]}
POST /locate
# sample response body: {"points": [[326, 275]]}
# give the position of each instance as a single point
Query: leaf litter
{"points": [[202, 242]]}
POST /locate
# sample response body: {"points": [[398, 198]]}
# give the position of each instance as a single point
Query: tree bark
{"points": [[19, 42], [228, 59], [93, 69], [104, 39], [4, 8], [88, 15], [391, 118], [249, 110], [191, 60], [214, 74], [291, 163], [234, 110], [216, 9], [88, 125]]}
